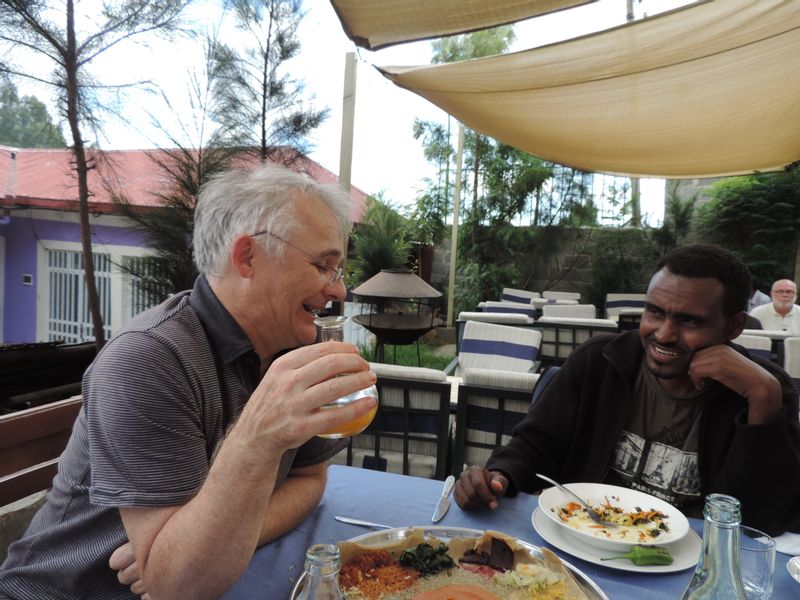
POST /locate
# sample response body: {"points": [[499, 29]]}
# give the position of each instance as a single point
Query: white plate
{"points": [[685, 552], [793, 566], [595, 494]]}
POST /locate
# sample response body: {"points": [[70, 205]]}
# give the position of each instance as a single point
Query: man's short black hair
{"points": [[707, 260]]}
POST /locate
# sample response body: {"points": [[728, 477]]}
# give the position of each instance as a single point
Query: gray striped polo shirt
{"points": [[158, 399]]}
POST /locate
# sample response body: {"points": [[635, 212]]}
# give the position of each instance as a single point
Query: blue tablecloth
{"points": [[406, 501]]}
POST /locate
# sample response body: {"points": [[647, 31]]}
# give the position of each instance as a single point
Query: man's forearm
{"points": [[199, 549], [293, 501]]}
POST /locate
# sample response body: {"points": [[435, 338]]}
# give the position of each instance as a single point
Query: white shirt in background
{"points": [[770, 319]]}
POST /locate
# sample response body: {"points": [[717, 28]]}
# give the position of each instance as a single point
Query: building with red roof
{"points": [[42, 292]]}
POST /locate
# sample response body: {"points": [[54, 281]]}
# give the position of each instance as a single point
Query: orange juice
{"points": [[349, 428]]}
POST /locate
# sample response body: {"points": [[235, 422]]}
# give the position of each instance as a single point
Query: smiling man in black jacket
{"points": [[676, 411]]}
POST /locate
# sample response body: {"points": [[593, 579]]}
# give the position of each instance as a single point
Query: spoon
{"points": [[793, 566], [593, 514]]}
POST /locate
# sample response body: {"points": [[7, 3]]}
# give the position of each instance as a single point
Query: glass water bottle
{"points": [[322, 574], [717, 575]]}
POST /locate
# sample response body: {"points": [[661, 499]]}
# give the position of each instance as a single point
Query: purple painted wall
{"points": [[22, 235]]}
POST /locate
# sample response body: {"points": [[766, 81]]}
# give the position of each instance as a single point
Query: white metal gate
{"points": [[68, 316]]}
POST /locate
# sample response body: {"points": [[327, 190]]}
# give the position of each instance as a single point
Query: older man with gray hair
{"points": [[782, 314], [197, 441]]}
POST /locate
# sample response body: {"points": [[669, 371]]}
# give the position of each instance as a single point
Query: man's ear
{"points": [[735, 326], [242, 256]]}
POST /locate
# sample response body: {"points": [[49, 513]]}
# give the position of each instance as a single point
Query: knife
{"points": [[360, 522], [444, 501]]}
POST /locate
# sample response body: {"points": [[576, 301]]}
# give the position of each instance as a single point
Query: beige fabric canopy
{"points": [[375, 24], [708, 90]]}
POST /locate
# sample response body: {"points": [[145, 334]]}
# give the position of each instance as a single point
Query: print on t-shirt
{"points": [[656, 468]]}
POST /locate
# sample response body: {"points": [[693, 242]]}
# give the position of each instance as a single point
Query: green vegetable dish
{"points": [[643, 556]]}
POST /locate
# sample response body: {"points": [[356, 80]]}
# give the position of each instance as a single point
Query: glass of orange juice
{"points": [[332, 329]]}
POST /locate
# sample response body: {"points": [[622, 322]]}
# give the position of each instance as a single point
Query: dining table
{"points": [[404, 501]]}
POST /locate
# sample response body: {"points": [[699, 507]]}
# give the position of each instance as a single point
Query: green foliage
{"points": [[186, 169], [621, 260], [256, 98], [25, 123], [758, 218], [379, 242], [429, 357], [473, 45], [426, 223]]}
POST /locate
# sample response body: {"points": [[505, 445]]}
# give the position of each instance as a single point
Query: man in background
{"points": [[782, 314]]}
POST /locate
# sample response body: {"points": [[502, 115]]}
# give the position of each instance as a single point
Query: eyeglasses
{"points": [[333, 277], [792, 292]]}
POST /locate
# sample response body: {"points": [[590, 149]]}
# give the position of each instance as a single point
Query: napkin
{"points": [[788, 543]]}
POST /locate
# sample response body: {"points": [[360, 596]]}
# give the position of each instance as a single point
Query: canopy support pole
{"points": [[451, 284], [346, 146]]}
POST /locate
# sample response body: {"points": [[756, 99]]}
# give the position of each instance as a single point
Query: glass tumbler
{"points": [[331, 329], [757, 562]]}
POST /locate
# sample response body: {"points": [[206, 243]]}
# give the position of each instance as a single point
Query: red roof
{"points": [[40, 178]]}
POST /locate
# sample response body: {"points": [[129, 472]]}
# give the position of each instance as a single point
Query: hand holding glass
{"points": [[332, 329]]}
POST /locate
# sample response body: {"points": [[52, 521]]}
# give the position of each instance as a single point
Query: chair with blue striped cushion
{"points": [[515, 295], [554, 295], [514, 308], [758, 345], [582, 311], [617, 303], [498, 347], [540, 303]]}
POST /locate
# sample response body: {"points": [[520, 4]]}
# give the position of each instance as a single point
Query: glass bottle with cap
{"points": [[321, 574], [717, 575]]}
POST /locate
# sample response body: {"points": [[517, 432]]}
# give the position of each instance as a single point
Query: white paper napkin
{"points": [[788, 543]]}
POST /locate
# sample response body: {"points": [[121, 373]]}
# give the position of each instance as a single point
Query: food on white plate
{"points": [[643, 526], [494, 566]]}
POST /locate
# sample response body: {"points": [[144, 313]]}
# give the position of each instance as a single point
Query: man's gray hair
{"points": [[248, 201]]}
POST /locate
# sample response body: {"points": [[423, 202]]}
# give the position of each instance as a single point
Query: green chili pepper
{"points": [[645, 555]]}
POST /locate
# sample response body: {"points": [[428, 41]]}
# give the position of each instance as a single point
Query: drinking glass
{"points": [[757, 562], [332, 329]]}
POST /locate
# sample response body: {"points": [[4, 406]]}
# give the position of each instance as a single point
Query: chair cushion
{"points": [[515, 295], [492, 346], [403, 372], [510, 380]]}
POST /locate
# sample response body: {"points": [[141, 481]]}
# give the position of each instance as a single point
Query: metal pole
{"points": [[346, 146], [636, 203], [451, 287]]}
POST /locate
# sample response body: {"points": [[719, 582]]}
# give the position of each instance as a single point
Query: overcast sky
{"points": [[385, 155]]}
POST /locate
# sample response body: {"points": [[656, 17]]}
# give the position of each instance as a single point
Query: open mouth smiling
{"points": [[664, 352], [312, 310]]}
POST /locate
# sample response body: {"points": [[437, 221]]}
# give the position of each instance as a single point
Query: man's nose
{"points": [[666, 331], [336, 291]]}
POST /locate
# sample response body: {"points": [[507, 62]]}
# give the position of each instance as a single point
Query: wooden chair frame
{"points": [[31, 442]]}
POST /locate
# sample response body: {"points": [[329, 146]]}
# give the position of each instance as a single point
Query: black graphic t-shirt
{"points": [[657, 449]]}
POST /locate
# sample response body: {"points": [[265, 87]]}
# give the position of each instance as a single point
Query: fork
{"points": [[593, 514]]}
